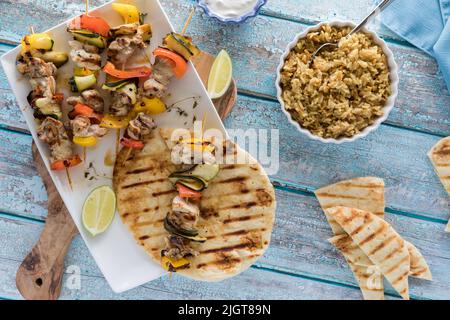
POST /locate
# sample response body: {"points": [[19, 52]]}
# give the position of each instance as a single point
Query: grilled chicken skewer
{"points": [[90, 34], [44, 99]]}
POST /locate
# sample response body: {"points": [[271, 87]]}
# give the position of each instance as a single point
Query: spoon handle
{"points": [[380, 7]]}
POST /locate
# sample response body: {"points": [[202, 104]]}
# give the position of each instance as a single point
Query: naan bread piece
{"points": [[440, 157], [365, 193], [419, 266], [237, 210], [382, 244], [368, 275]]}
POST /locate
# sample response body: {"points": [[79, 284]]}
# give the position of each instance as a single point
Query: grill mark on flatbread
{"points": [[161, 193], [150, 236], [146, 210], [162, 165], [246, 245], [242, 205], [371, 236], [231, 180], [340, 196], [357, 230], [399, 263], [379, 213], [419, 272], [236, 233], [141, 170], [224, 261], [444, 150], [243, 190], [362, 186], [400, 278], [244, 218], [148, 223], [382, 245], [143, 183], [154, 194]]}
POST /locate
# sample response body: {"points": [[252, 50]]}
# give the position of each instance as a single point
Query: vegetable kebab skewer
{"points": [[170, 60], [90, 36], [128, 42], [39, 62]]}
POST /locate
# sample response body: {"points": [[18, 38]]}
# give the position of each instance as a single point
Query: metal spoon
{"points": [[380, 7]]}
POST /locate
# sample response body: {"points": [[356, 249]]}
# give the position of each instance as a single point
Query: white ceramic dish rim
{"points": [[235, 20], [393, 69]]}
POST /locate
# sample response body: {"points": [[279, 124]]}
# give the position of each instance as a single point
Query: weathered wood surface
{"points": [[39, 277], [300, 263], [93, 286], [264, 39], [397, 155]]}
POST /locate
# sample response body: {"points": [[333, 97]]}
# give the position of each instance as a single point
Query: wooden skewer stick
{"points": [[188, 21], [32, 29], [129, 150], [87, 7], [69, 179]]}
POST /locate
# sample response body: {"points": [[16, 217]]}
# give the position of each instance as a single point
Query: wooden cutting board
{"points": [[39, 277]]}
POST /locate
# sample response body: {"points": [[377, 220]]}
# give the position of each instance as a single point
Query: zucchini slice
{"points": [[146, 30], [57, 58], [89, 37], [204, 172], [187, 234], [46, 107], [116, 85], [181, 45], [79, 84], [130, 90], [191, 182]]}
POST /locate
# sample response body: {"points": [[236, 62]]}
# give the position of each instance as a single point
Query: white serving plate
{"points": [[393, 68], [123, 263]]}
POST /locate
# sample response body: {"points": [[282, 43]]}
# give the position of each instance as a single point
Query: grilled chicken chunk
{"points": [[178, 248], [44, 87], [140, 127], [129, 39], [121, 104], [85, 56], [91, 98], [184, 215], [82, 127], [36, 68], [52, 132], [159, 81]]}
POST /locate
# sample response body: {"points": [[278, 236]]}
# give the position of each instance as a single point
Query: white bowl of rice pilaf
{"points": [[347, 92]]}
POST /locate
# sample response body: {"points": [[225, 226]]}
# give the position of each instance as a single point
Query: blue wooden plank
{"points": [[255, 48], [253, 284]]}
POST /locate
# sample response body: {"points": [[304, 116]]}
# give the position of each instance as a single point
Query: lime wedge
{"points": [[220, 76], [98, 210]]}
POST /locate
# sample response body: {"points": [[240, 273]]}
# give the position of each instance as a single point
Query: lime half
{"points": [[220, 76], [98, 210]]}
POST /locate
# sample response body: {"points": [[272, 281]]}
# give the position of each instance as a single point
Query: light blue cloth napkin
{"points": [[425, 24]]}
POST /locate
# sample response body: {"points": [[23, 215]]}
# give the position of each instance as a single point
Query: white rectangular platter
{"points": [[123, 263]]}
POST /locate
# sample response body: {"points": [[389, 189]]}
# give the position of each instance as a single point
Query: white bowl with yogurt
{"points": [[231, 11]]}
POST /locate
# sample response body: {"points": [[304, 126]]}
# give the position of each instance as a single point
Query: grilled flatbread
{"points": [[368, 275], [237, 210], [365, 193], [362, 193], [382, 244], [440, 157], [419, 267]]}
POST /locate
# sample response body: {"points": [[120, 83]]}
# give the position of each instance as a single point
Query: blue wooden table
{"points": [[300, 263]]}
